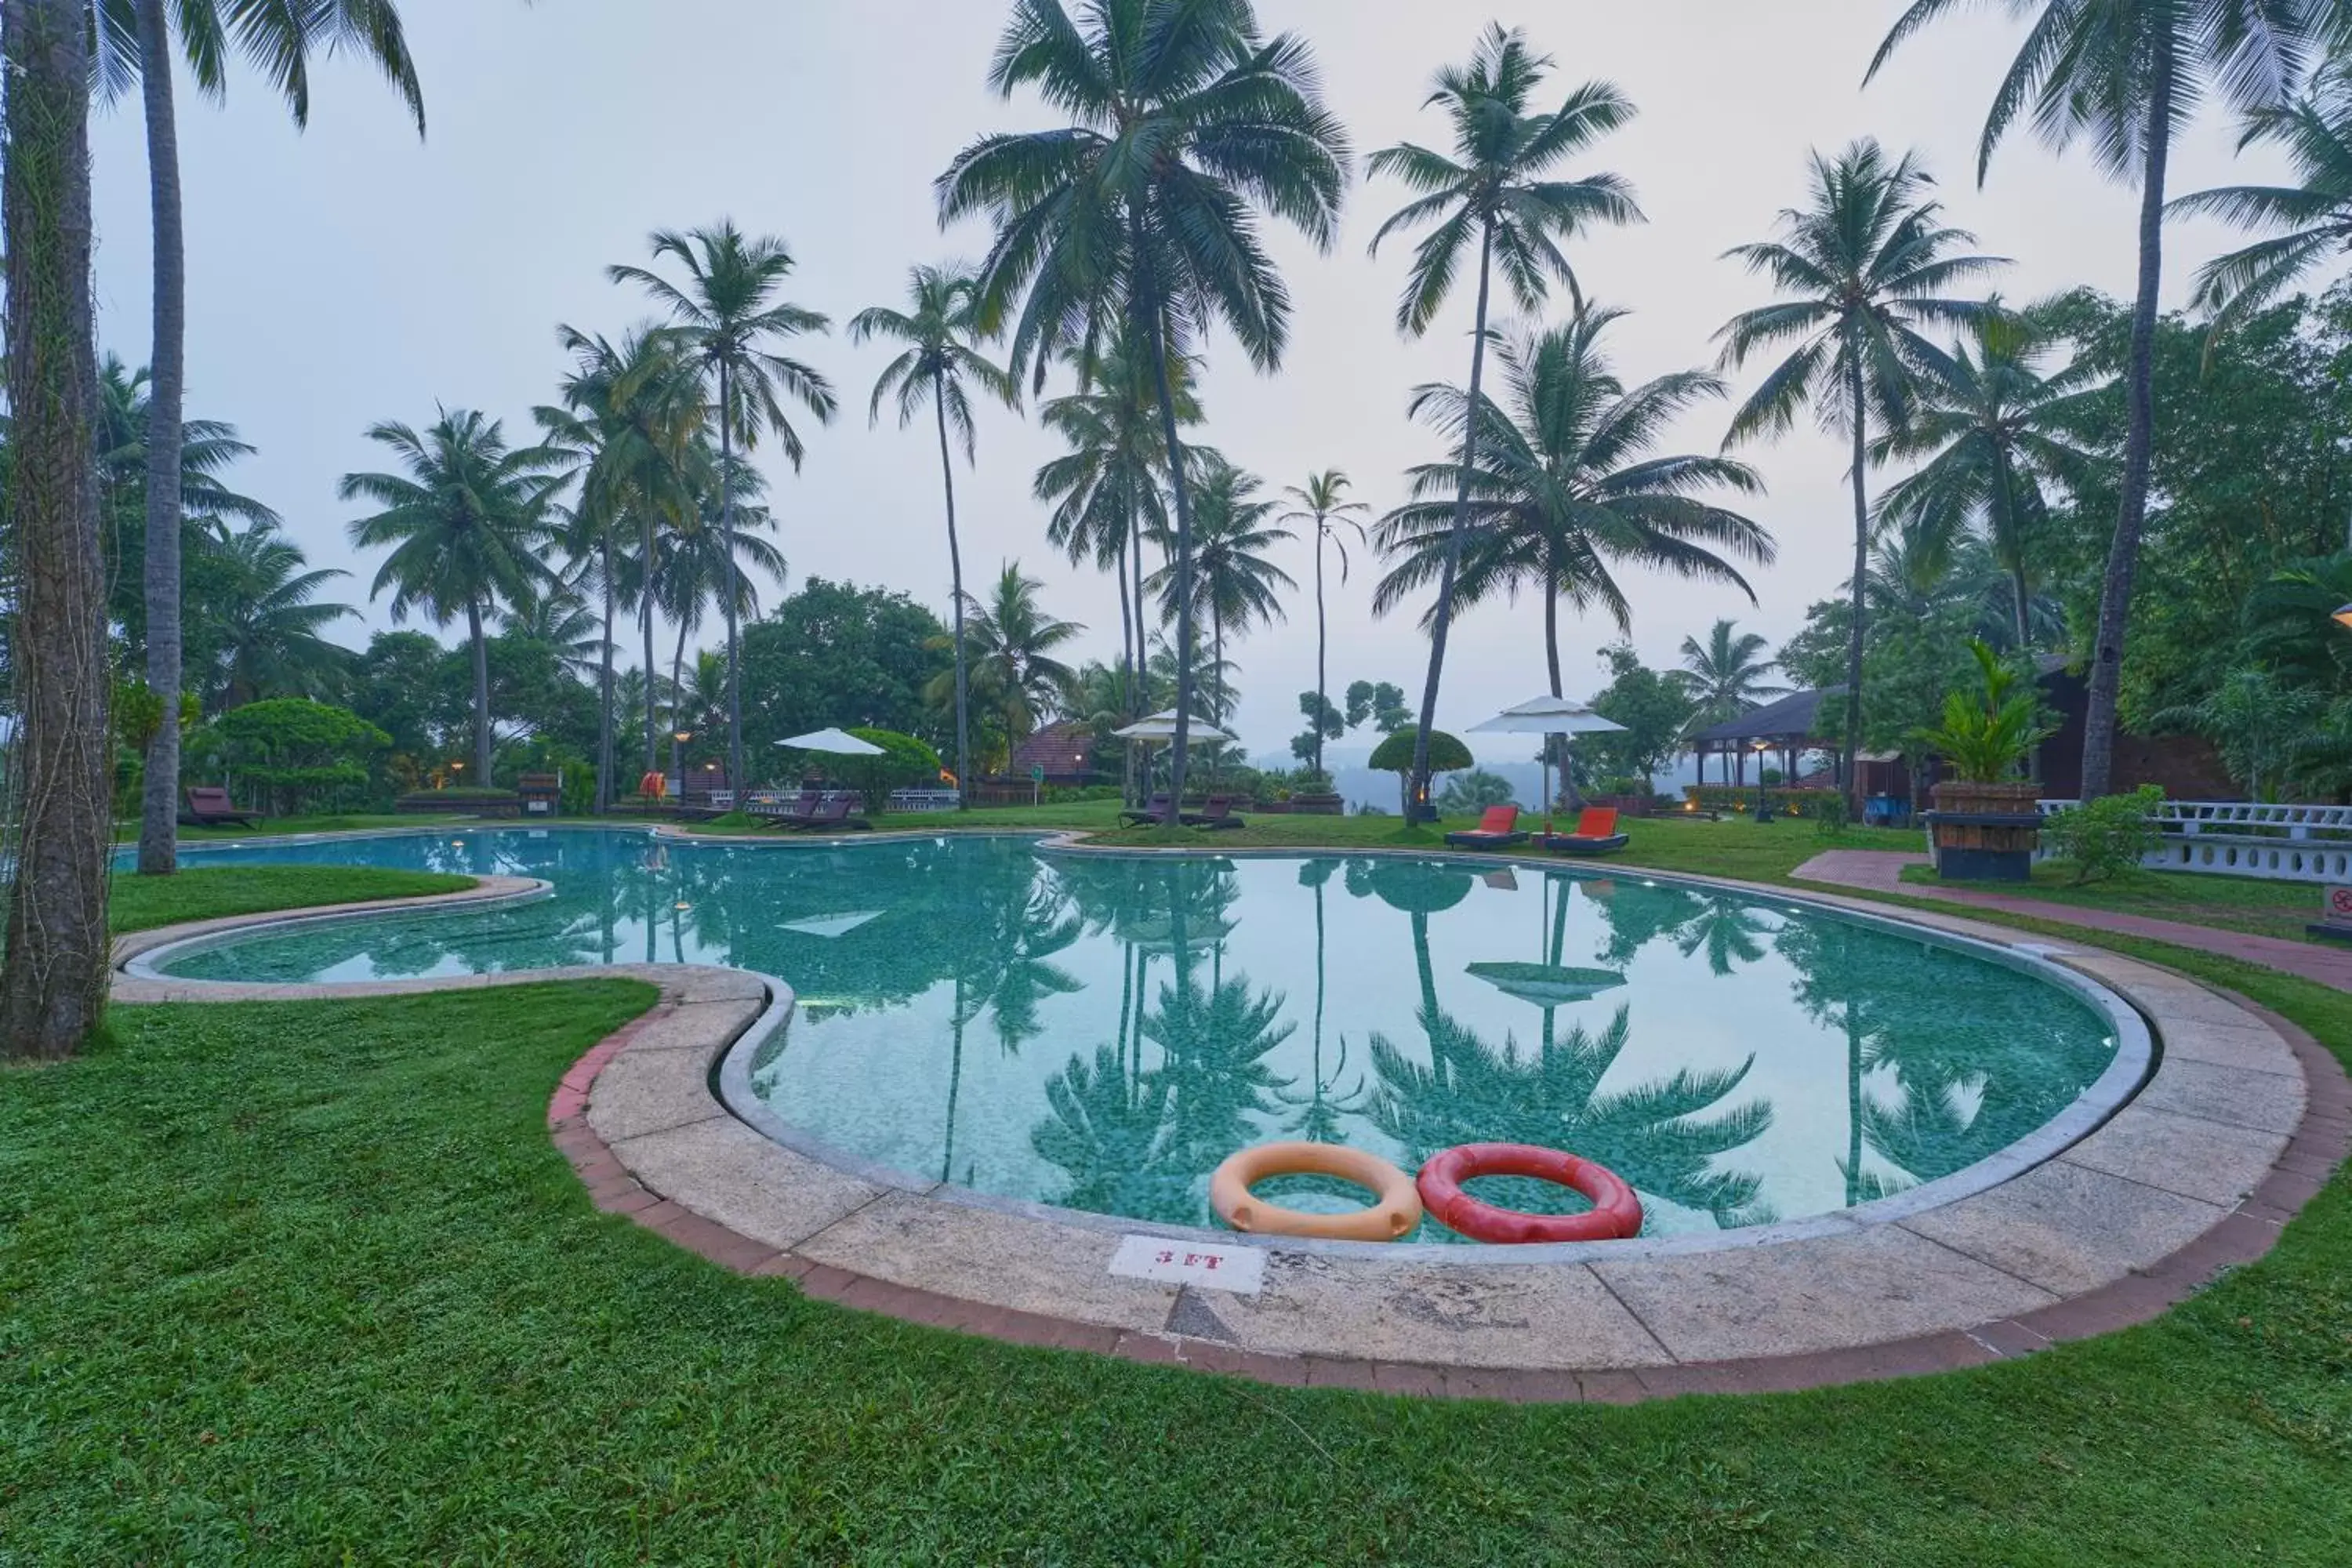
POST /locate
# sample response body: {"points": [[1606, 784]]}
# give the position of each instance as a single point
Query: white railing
{"points": [[2243, 838]]}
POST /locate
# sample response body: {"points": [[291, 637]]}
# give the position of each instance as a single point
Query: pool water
{"points": [[1100, 1032]]}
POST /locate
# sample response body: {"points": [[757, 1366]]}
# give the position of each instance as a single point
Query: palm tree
{"points": [[726, 317], [2126, 75], [1142, 213], [628, 426], [1564, 485], [465, 525], [1233, 583], [1318, 502], [1013, 661], [561, 622], [1992, 422], [2315, 213], [279, 40], [942, 335], [1724, 678], [1865, 263], [264, 623], [696, 567], [1496, 191], [1107, 490]]}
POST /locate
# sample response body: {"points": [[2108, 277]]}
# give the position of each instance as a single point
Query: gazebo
{"points": [[1787, 726]]}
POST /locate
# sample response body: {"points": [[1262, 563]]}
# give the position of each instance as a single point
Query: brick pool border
{"points": [[638, 1120]]}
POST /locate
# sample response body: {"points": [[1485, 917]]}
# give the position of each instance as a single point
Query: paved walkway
{"points": [[1881, 871]]}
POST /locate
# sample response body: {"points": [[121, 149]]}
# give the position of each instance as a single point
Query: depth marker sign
{"points": [[1240, 1270]]}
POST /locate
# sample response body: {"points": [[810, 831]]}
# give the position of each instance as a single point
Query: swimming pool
{"points": [[1097, 1032]]}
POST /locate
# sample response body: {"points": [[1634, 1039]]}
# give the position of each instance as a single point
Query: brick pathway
{"points": [[1881, 871]]}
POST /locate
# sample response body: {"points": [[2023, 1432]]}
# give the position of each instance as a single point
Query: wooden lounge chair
{"points": [[780, 814], [1155, 810], [1498, 829], [834, 815], [1215, 813], [1596, 834], [208, 806]]}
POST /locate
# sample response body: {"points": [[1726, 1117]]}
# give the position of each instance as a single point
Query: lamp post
{"points": [[678, 738], [1763, 806]]}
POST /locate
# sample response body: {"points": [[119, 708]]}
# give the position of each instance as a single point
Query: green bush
{"points": [[1394, 755], [905, 762], [2101, 837], [1806, 803], [1830, 816], [302, 753]]}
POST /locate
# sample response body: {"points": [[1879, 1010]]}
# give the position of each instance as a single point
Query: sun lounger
{"points": [[208, 806], [1154, 810], [780, 814], [1216, 813], [833, 815], [1498, 829], [1596, 834]]}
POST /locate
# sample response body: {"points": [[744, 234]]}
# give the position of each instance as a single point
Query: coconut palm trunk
{"points": [[677, 720], [481, 694], [605, 757], [2140, 434], [736, 779], [1182, 496], [646, 620], [159, 815], [1417, 782], [1858, 410], [955, 581], [1322, 641], [53, 980]]}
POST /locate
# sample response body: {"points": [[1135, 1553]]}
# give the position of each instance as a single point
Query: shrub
{"points": [[1467, 795], [905, 762], [1807, 803], [2101, 837], [1987, 733], [299, 750], [1830, 816]]}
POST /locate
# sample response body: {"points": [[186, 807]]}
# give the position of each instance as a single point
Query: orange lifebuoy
{"points": [[654, 786], [1394, 1210], [1616, 1212]]}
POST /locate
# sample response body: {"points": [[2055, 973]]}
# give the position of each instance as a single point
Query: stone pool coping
{"points": [[2242, 1122]]}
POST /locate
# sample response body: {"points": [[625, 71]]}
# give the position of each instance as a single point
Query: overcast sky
{"points": [[351, 274]]}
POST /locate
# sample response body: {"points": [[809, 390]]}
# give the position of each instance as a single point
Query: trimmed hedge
{"points": [[1790, 802]]}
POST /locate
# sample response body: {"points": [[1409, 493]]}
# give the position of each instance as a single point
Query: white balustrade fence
{"points": [[2243, 838]]}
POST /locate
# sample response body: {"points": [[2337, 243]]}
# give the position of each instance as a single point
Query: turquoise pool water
{"points": [[1100, 1032]]}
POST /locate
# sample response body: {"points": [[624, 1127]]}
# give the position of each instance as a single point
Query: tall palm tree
{"points": [[1497, 191], [627, 426], [1725, 677], [941, 334], [696, 568], [2126, 76], [278, 40], [1992, 422], [1317, 503], [2313, 218], [264, 623], [560, 620], [464, 524], [727, 320], [1865, 263], [1564, 486], [1142, 212], [1233, 583], [1013, 664], [53, 978]]}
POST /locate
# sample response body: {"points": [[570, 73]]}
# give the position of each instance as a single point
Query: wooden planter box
{"points": [[1318, 806], [1985, 832]]}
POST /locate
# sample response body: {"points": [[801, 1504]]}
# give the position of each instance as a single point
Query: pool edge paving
{"points": [[2110, 1230]]}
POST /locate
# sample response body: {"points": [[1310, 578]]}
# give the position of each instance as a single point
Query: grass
{"points": [[208, 892], [275, 827], [301, 1281], [2229, 903]]}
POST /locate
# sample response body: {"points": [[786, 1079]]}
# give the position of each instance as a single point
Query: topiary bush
{"points": [[301, 752], [1394, 755]]}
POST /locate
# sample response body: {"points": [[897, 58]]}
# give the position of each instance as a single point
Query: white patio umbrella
{"points": [[1161, 727], [839, 743], [1547, 716]]}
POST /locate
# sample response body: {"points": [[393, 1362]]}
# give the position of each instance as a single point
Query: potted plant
{"points": [[1986, 824]]}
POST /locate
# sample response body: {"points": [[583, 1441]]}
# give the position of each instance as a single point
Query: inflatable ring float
{"points": [[1616, 1213], [1394, 1210]]}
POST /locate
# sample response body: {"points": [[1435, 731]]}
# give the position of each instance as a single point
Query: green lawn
{"points": [[208, 892], [274, 826], [307, 1281], [2232, 903]]}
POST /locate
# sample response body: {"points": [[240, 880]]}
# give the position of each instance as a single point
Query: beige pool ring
{"points": [[1394, 1211]]}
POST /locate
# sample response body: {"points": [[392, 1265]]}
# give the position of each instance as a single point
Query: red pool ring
{"points": [[1616, 1213]]}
